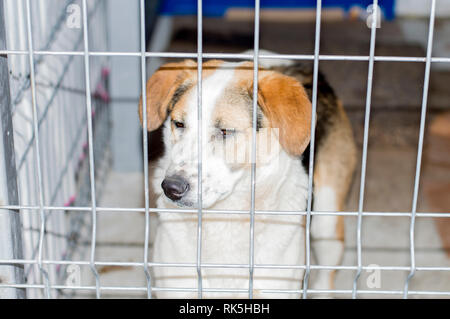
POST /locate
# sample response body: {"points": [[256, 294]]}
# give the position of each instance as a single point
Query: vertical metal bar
{"points": [[365, 144], [253, 172], [33, 237], [56, 134], [27, 179], [145, 147], [49, 175], [91, 147], [420, 146], [34, 197], [311, 153], [199, 145], [40, 184], [10, 228]]}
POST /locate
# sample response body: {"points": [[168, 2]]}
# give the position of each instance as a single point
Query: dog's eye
{"points": [[178, 124], [227, 132]]}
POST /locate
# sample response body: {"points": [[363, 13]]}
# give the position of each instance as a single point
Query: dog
{"points": [[283, 126]]}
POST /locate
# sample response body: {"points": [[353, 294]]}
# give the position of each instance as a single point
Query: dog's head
{"points": [[283, 125]]}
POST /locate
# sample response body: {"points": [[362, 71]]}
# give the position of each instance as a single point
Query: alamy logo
{"points": [[374, 279], [73, 276], [236, 147], [372, 12], [73, 20]]}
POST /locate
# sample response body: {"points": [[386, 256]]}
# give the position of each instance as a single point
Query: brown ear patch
{"points": [[162, 87], [285, 103]]}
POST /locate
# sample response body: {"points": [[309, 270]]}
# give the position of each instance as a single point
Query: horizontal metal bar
{"points": [[218, 211], [212, 265], [365, 292], [221, 290], [130, 288], [242, 56]]}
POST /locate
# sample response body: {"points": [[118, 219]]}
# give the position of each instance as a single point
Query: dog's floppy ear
{"points": [[285, 103], [161, 89]]}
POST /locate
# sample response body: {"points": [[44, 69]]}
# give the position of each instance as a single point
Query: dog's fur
{"points": [[284, 122]]}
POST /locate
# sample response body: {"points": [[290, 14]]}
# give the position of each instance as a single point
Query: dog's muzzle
{"points": [[175, 187]]}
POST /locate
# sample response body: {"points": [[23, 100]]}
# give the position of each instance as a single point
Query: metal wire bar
{"points": [[145, 148], [11, 232], [219, 211], [53, 95], [86, 54], [311, 152], [40, 186], [420, 146], [60, 180], [253, 155], [32, 237], [26, 83], [61, 177], [222, 290], [41, 53], [362, 184], [70, 155], [217, 265], [187, 55], [90, 145], [46, 132], [199, 144]]}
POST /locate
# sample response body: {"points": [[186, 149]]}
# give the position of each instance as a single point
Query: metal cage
{"points": [[51, 177]]}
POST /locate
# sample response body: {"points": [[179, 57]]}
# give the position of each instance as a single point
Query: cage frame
{"points": [[13, 206]]}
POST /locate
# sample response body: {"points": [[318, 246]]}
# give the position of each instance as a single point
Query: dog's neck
{"points": [[279, 186]]}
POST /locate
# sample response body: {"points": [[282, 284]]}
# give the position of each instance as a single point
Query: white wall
{"points": [[421, 8]]}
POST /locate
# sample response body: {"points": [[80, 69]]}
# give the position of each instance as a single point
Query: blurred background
{"points": [[288, 27]]}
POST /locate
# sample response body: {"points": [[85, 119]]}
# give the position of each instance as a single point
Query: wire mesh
{"points": [[60, 169], [51, 155]]}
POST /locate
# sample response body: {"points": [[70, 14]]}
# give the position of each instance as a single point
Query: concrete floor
{"points": [[391, 157]]}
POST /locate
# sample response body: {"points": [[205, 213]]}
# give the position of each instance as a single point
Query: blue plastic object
{"points": [[217, 8]]}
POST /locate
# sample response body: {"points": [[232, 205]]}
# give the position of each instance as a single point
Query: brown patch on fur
{"points": [[210, 66], [332, 277], [161, 88], [286, 105], [178, 112], [336, 158], [107, 269], [340, 228], [335, 151], [163, 85]]}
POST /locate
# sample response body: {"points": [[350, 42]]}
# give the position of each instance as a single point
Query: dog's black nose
{"points": [[175, 187]]}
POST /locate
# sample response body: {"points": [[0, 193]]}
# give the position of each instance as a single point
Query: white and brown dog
{"points": [[283, 136]]}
